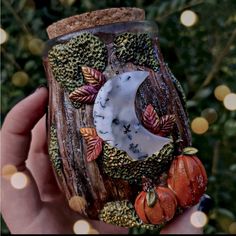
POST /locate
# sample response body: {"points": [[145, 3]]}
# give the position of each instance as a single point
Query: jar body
{"points": [[116, 114]]}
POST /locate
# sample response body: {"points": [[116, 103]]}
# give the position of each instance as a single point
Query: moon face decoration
{"points": [[116, 121]]}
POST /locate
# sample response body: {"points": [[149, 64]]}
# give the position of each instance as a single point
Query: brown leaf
{"points": [[84, 94], [94, 148], [151, 119], [93, 77], [167, 123], [88, 133], [94, 143]]}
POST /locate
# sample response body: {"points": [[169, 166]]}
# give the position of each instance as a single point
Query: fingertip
{"points": [[25, 114], [40, 93]]}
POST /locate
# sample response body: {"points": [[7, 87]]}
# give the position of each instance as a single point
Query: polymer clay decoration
{"points": [[116, 121], [54, 151], [136, 48], [119, 137]]}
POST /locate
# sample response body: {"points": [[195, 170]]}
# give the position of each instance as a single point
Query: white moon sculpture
{"points": [[116, 121]]}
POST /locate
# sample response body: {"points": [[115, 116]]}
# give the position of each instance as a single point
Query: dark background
{"points": [[202, 57]]}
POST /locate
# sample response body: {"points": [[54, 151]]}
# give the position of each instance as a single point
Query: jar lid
{"points": [[94, 18]]}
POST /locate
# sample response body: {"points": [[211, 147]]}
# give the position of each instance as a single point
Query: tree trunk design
{"points": [[79, 177]]}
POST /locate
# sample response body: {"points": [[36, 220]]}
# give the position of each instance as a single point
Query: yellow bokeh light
{"points": [[199, 125], [3, 36], [93, 231], [81, 227], [230, 101], [198, 219], [188, 18], [8, 170], [78, 203], [19, 180], [36, 46], [232, 228], [20, 79], [221, 91]]}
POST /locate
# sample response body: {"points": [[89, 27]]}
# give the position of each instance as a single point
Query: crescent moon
{"points": [[115, 118]]}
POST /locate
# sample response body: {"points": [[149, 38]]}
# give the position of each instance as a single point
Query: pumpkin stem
{"points": [[147, 184], [189, 151]]}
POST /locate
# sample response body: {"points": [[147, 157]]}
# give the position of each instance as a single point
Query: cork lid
{"points": [[94, 18]]}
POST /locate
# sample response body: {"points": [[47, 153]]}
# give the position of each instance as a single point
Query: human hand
{"points": [[189, 222], [41, 207]]}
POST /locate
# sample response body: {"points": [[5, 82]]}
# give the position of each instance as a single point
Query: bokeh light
{"points": [[198, 219], [3, 36], [19, 180], [8, 170], [36, 46], [199, 125], [209, 114], [230, 127], [77, 203], [93, 231], [232, 228], [221, 91], [20, 79], [230, 101], [81, 227], [188, 18], [67, 3]]}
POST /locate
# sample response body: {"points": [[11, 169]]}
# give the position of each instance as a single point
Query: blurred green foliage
{"points": [[201, 57]]}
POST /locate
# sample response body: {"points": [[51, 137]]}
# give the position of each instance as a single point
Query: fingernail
{"points": [[39, 87], [205, 204], [44, 85]]}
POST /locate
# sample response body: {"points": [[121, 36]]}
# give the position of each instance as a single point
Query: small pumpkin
{"points": [[156, 206], [187, 178]]}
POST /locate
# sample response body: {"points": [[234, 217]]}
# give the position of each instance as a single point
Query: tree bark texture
{"points": [[78, 177]]}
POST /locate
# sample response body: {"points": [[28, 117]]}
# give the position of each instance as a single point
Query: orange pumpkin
{"points": [[161, 210], [187, 179]]}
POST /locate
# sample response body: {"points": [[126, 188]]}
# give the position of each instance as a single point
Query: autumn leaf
{"points": [[93, 77], [84, 94], [94, 148], [88, 133], [94, 143], [166, 124], [151, 119]]}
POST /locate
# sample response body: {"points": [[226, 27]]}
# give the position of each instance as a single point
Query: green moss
{"points": [[122, 213], [136, 48], [118, 164], [54, 151], [66, 59]]}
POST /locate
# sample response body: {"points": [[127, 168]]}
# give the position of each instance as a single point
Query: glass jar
{"points": [[117, 119]]}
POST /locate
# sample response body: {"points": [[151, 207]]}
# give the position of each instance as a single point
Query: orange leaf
{"points": [[88, 133], [93, 77], [166, 125], [151, 119], [94, 148], [84, 94]]}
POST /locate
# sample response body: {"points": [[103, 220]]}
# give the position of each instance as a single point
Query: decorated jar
{"points": [[117, 121]]}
